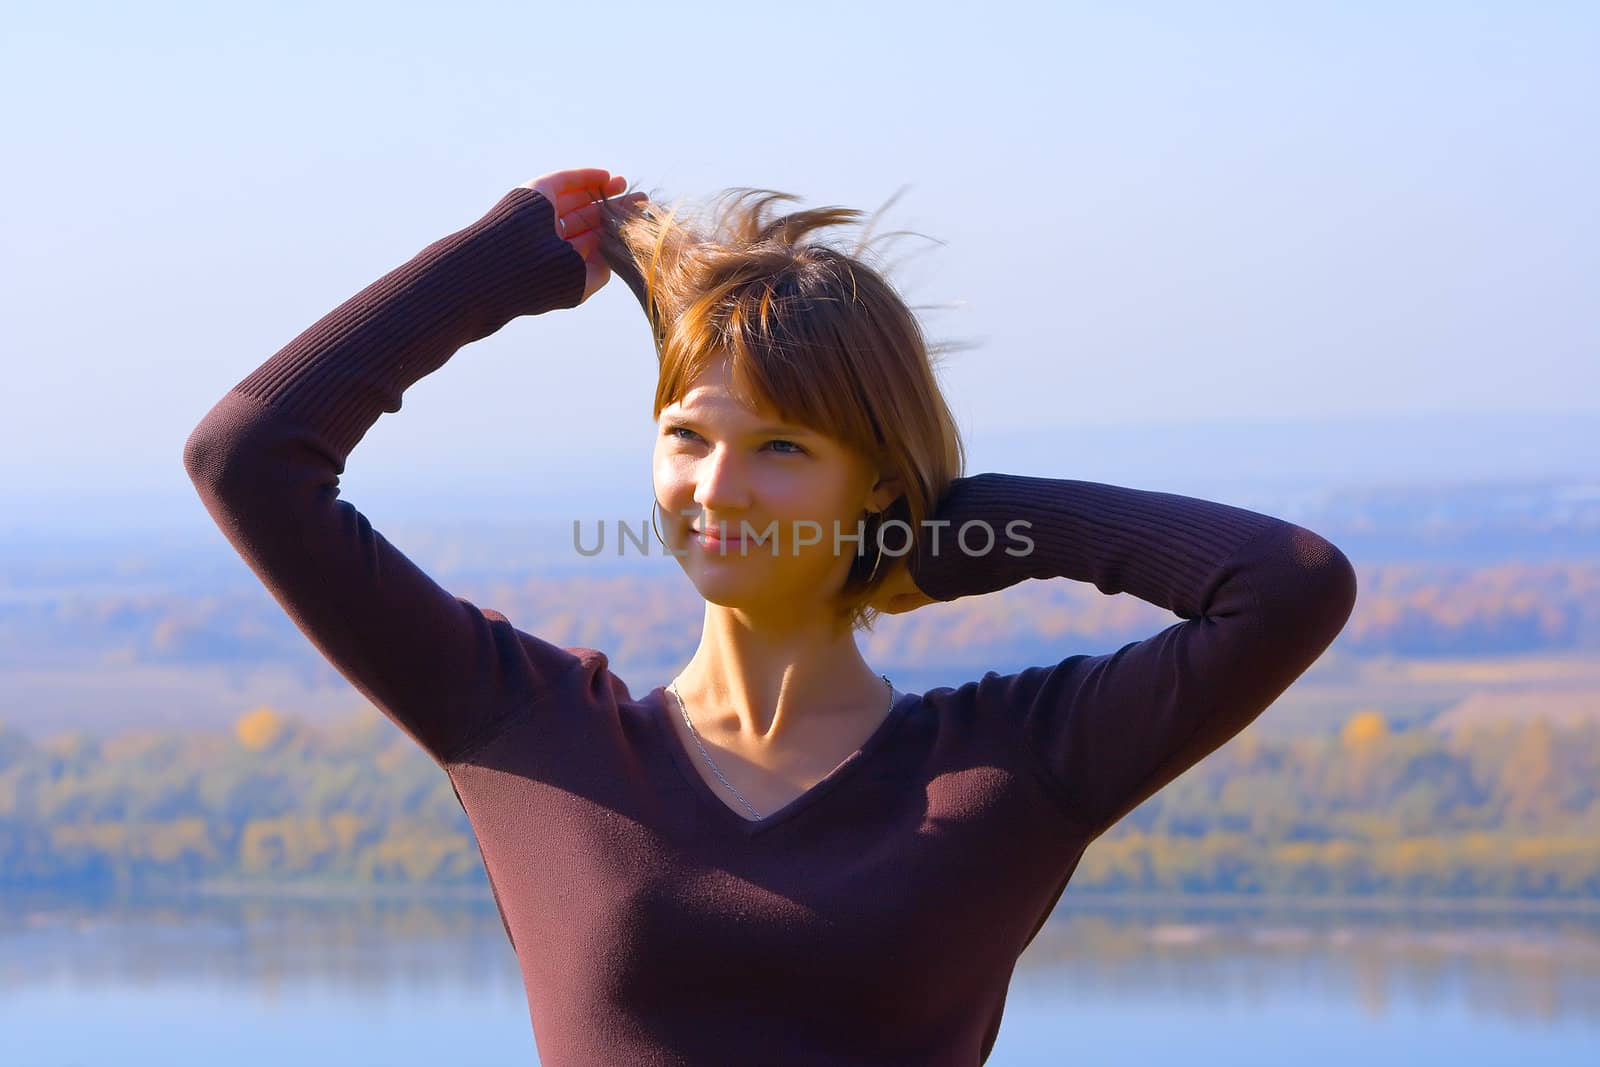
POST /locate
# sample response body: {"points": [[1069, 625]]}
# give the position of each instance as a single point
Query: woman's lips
{"points": [[713, 539]]}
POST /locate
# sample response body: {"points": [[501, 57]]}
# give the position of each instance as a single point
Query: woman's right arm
{"points": [[266, 462]]}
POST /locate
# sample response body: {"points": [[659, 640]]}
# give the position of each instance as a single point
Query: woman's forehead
{"points": [[711, 394]]}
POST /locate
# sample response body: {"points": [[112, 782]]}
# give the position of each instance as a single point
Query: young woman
{"points": [[776, 857]]}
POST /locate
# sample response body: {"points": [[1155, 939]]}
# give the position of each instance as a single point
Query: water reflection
{"points": [[400, 978], [365, 945], [1524, 968]]}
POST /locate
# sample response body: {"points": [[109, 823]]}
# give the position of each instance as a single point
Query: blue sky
{"points": [[1149, 213]]}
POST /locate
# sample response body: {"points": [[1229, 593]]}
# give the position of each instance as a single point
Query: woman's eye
{"points": [[788, 448]]}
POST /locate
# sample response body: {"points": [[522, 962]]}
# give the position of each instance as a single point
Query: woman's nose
{"points": [[720, 483]]}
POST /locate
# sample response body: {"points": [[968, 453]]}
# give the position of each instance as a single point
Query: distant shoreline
{"points": [[1090, 900], [1087, 900]]}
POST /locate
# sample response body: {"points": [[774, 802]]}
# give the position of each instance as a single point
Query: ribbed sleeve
{"points": [[1160, 547], [1263, 598], [266, 461]]}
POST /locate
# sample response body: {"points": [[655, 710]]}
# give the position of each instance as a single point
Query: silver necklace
{"points": [[673, 688]]}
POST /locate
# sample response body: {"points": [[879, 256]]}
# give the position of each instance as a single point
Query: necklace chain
{"points": [[712, 763]]}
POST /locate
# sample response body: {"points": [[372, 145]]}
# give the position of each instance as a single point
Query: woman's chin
{"points": [[720, 586], [733, 583]]}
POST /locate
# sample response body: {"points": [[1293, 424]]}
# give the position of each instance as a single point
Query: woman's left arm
{"points": [[1263, 599]]}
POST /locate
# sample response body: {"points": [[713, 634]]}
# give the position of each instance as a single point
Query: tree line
{"points": [[1484, 810]]}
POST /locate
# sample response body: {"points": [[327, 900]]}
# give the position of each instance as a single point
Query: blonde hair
{"points": [[811, 331]]}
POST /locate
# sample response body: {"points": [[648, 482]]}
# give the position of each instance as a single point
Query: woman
{"points": [[778, 857]]}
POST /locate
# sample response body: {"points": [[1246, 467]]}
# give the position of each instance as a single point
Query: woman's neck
{"points": [[760, 686]]}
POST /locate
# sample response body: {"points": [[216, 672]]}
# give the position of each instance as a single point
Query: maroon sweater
{"points": [[877, 918]]}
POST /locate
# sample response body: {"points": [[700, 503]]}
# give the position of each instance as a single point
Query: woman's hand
{"points": [[897, 593], [576, 196]]}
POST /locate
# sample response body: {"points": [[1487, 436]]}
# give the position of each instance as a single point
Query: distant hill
{"points": [[141, 625]]}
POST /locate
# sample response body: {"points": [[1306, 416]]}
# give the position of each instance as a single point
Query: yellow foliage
{"points": [[129, 746], [1528, 778], [1364, 728], [102, 836], [416, 857], [346, 829], [259, 729], [294, 844], [166, 843], [154, 842], [70, 745]]}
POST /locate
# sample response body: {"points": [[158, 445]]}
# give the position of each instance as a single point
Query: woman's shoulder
{"points": [[996, 703], [996, 691], [573, 670], [557, 691]]}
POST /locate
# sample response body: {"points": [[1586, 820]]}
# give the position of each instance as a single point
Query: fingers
{"points": [[573, 189], [570, 189], [582, 198], [589, 217], [583, 230]]}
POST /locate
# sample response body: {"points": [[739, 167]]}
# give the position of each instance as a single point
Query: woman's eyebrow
{"points": [[782, 428], [777, 427]]}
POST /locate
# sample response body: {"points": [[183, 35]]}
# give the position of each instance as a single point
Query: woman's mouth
{"points": [[715, 539]]}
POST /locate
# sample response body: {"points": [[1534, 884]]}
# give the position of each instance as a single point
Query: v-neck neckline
{"points": [[724, 812]]}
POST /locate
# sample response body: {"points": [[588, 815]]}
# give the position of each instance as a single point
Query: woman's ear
{"points": [[886, 492]]}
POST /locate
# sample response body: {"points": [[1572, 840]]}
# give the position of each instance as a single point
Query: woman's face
{"points": [[774, 493]]}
